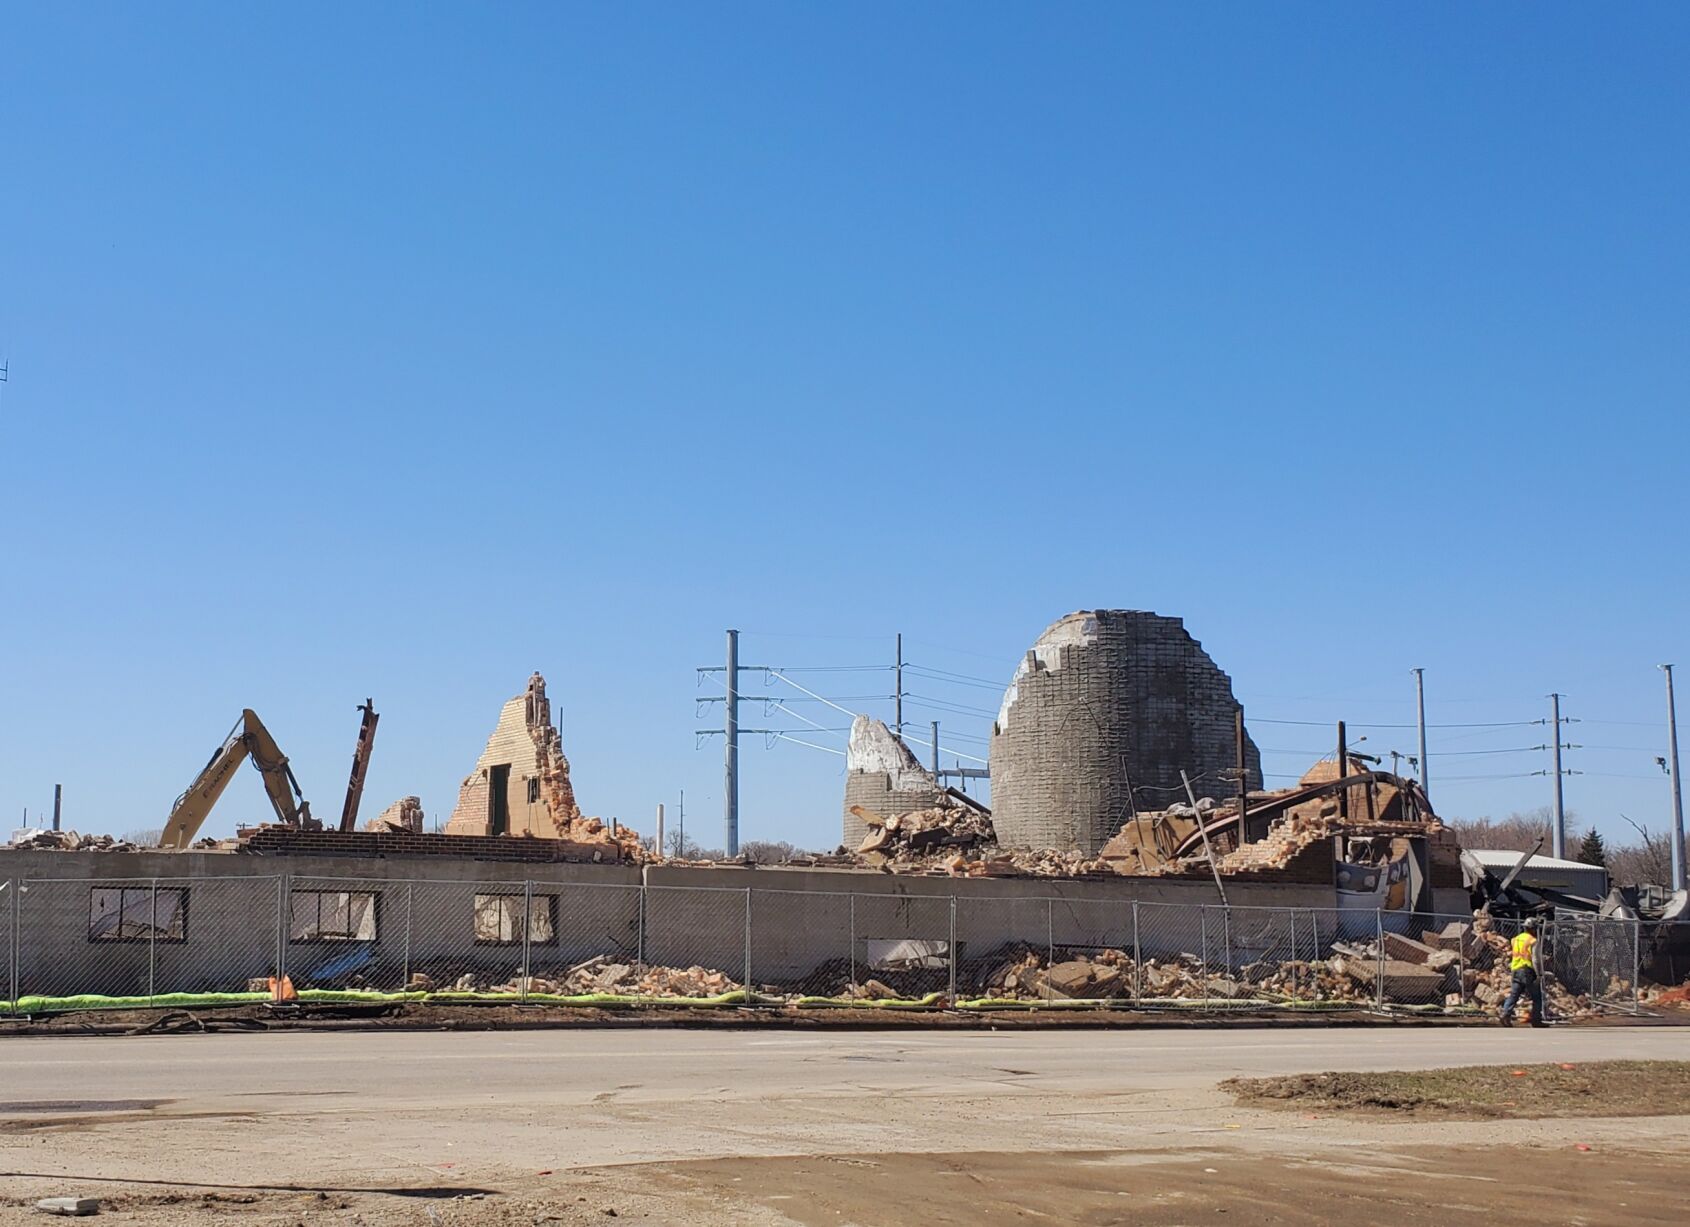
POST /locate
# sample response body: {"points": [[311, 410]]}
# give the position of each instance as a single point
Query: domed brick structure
{"points": [[1109, 705]]}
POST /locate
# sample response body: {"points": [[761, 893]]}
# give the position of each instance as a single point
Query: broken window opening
{"points": [[138, 914], [498, 920], [534, 790], [333, 916], [498, 799]]}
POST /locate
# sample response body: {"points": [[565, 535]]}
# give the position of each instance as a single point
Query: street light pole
{"points": [[1677, 791]]}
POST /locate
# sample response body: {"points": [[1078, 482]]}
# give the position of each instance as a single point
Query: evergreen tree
{"points": [[1592, 851]]}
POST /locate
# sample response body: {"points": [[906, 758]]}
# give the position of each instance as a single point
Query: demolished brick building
{"points": [[1102, 715], [883, 776], [520, 785]]}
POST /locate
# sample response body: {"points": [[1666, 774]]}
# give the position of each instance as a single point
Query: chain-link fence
{"points": [[86, 943]]}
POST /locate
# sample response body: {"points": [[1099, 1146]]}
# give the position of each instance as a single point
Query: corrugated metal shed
{"points": [[1571, 877]]}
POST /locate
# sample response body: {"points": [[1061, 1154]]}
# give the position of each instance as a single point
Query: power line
{"points": [[962, 679], [962, 707], [799, 741], [1360, 724], [806, 690], [944, 749]]}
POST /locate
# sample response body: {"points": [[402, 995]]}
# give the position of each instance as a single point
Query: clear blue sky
{"points": [[401, 351]]}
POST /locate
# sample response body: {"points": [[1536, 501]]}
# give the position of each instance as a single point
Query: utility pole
{"points": [[1677, 792], [1243, 773], [1420, 703], [898, 698], [1343, 770], [935, 749], [1558, 844], [681, 824], [59, 792], [730, 766], [730, 732]]}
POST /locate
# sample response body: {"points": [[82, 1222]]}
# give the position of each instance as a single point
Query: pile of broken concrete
{"points": [[604, 975], [923, 834], [70, 841], [958, 841]]}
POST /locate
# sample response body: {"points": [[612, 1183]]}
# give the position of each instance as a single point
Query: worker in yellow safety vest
{"points": [[1523, 962]]}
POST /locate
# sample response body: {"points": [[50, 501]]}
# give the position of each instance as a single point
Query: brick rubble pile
{"points": [[70, 841], [602, 974]]}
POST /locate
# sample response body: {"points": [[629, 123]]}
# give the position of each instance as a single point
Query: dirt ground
{"points": [[1417, 1186], [1531, 1091], [869, 1128]]}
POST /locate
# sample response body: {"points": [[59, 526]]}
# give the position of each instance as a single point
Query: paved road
{"points": [[278, 1108]]}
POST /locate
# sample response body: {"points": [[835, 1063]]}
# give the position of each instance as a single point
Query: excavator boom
{"points": [[249, 738]]}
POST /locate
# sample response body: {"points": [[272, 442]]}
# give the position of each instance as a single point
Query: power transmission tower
{"points": [[1558, 834], [898, 695], [730, 732], [1420, 704]]}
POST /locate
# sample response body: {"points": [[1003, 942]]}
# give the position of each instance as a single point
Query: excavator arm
{"points": [[249, 738]]}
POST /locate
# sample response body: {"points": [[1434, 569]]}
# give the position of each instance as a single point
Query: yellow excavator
{"points": [[249, 737]]}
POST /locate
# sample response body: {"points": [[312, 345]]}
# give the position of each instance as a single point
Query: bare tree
{"points": [[683, 847], [145, 838], [1644, 862], [1518, 832], [769, 852]]}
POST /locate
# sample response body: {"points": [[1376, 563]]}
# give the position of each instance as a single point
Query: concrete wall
{"points": [[804, 929], [1109, 705], [238, 909], [801, 919]]}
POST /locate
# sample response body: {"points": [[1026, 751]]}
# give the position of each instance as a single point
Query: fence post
{"points": [[1050, 945], [953, 952], [1594, 934], [527, 946], [1461, 963], [1296, 975], [11, 905], [1203, 927], [750, 996], [284, 930], [1226, 939], [639, 925], [1636, 965], [1138, 960], [853, 941], [1379, 940], [152, 948], [405, 946]]}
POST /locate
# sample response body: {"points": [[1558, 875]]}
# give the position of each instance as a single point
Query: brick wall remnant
{"points": [[537, 797], [882, 775], [1106, 704], [405, 814]]}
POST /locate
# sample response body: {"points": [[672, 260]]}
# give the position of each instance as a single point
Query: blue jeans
{"points": [[1525, 984]]}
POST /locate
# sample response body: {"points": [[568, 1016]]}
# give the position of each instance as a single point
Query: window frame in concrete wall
{"points": [[548, 902], [176, 931], [319, 937]]}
